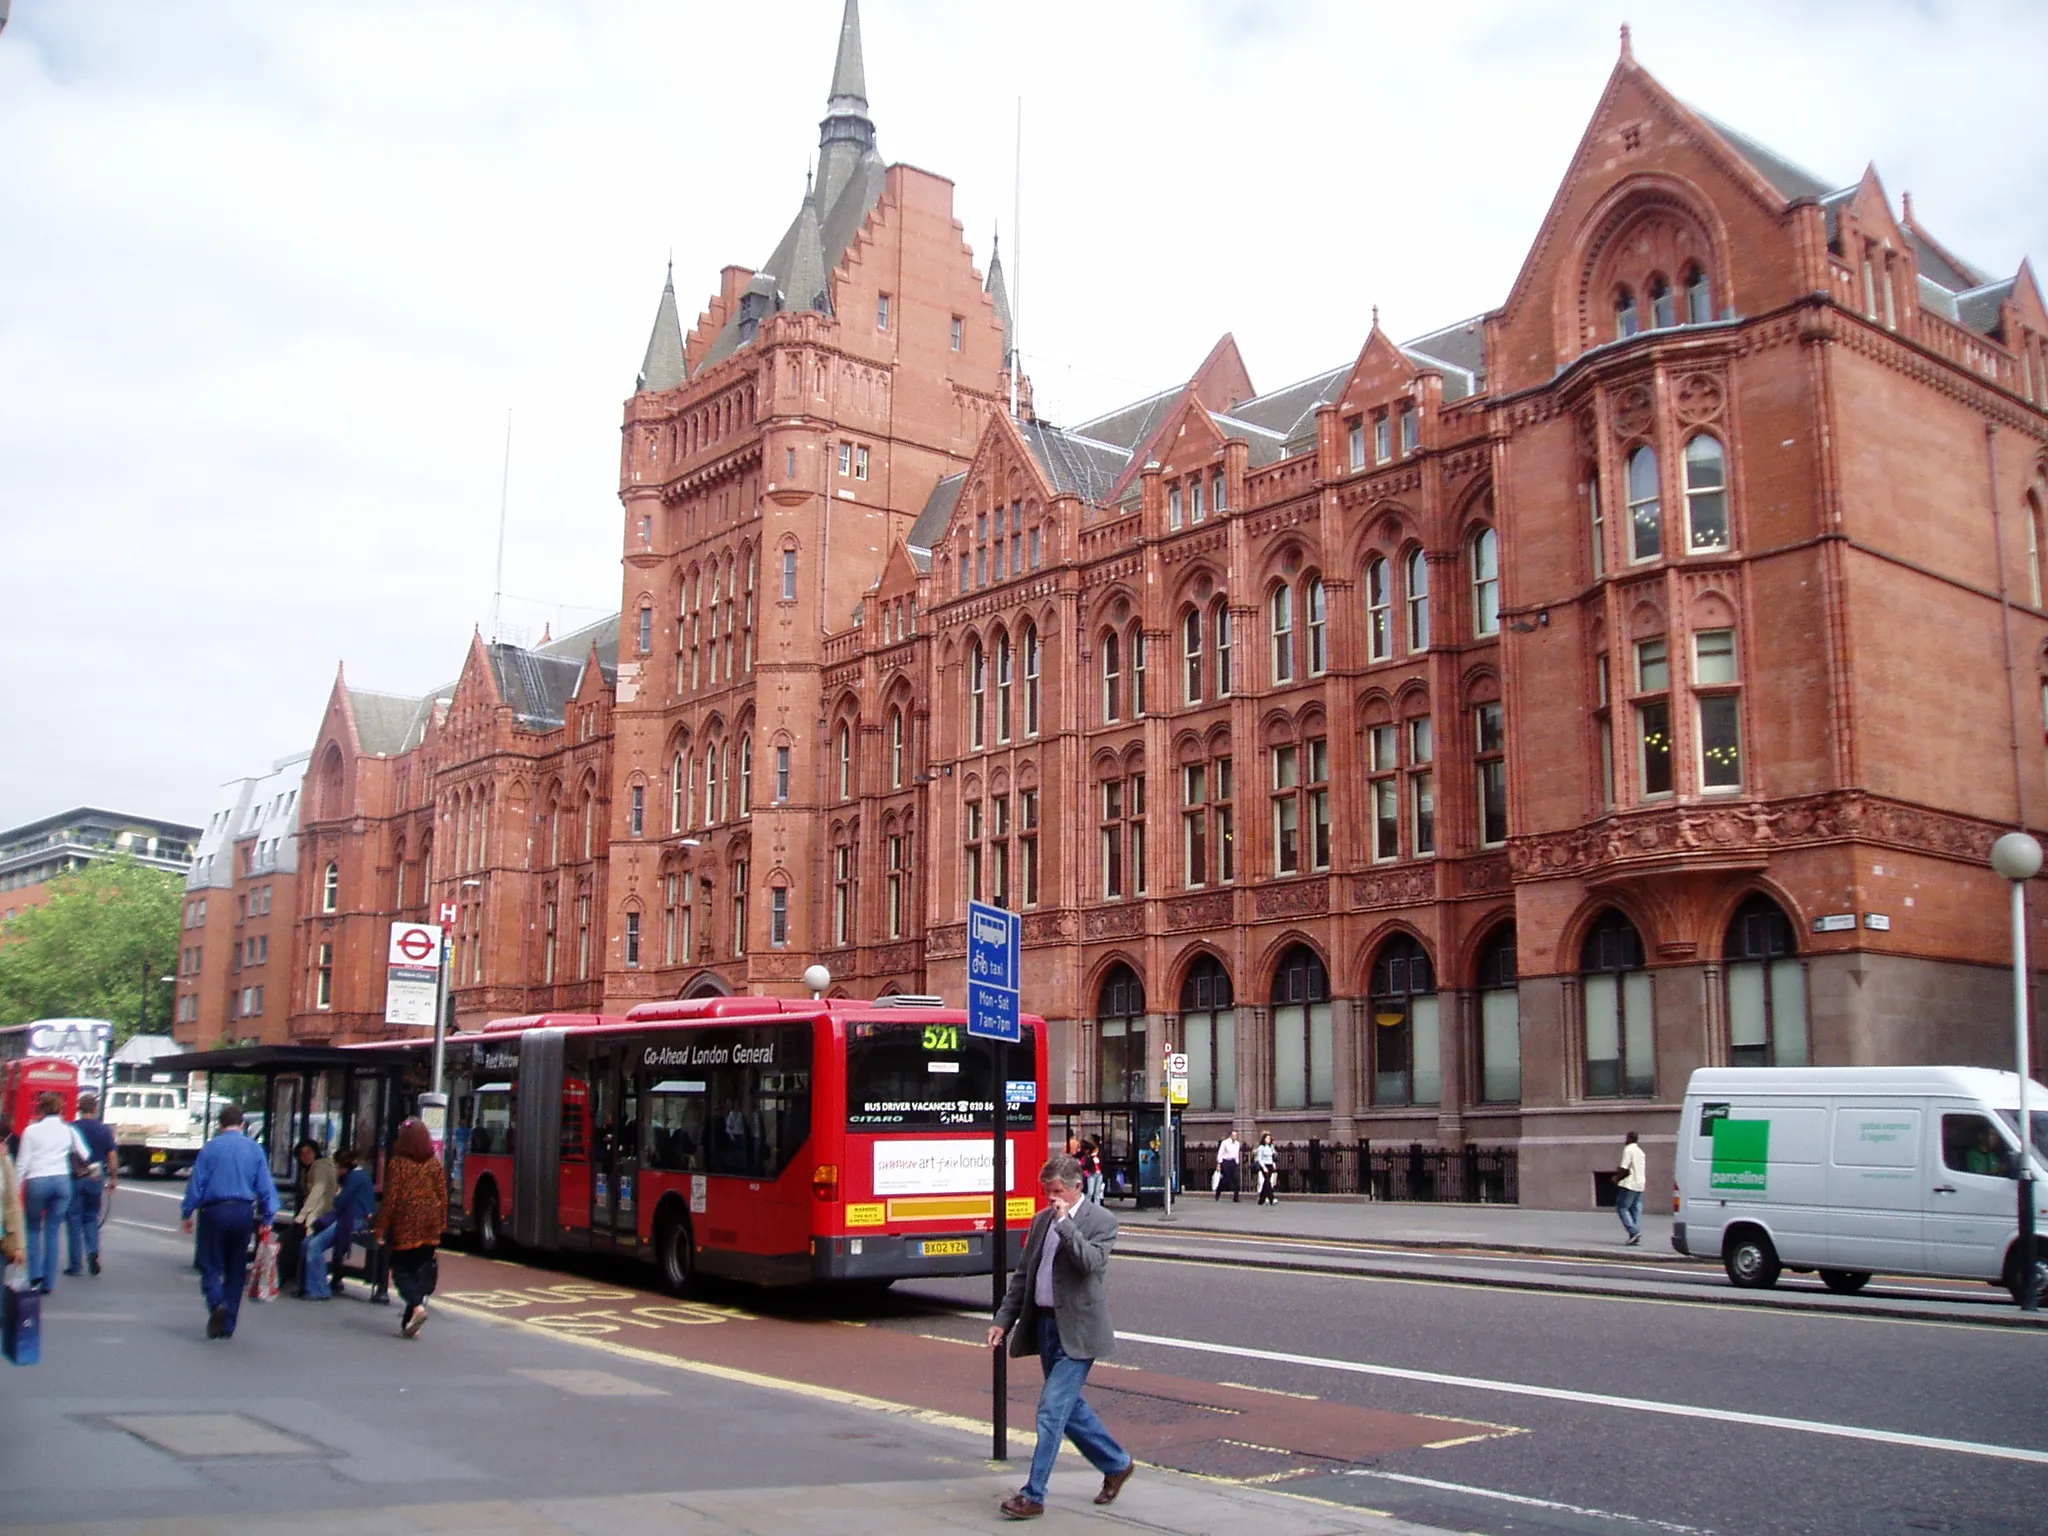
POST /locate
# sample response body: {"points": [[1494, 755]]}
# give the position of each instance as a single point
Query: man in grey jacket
{"points": [[1057, 1308]]}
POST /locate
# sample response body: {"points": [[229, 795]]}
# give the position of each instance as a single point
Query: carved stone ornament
{"points": [[1296, 898], [1056, 927], [947, 943], [1483, 875], [1113, 922], [1660, 835], [1632, 411], [1211, 909], [1394, 887], [1699, 399]]}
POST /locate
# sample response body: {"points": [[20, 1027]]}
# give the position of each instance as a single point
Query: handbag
{"points": [[263, 1273], [21, 1319]]}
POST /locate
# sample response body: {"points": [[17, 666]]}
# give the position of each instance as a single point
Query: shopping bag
{"points": [[1215, 1180], [263, 1273], [21, 1319]]}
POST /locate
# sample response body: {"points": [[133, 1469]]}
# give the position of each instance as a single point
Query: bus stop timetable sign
{"points": [[995, 941]]}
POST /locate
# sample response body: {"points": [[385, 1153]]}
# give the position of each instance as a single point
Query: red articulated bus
{"points": [[765, 1139]]}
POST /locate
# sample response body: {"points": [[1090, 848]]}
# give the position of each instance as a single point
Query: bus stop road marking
{"points": [[591, 1383], [1190, 1425]]}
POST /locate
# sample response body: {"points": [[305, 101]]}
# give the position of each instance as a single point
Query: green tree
{"points": [[95, 949]]}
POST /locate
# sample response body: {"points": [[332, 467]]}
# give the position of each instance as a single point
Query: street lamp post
{"points": [[2017, 859]]}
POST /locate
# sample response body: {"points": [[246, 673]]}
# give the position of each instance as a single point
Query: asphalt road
{"points": [[1629, 1413], [1646, 1463]]}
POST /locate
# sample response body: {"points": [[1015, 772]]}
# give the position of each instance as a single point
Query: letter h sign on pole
{"points": [[995, 942]]}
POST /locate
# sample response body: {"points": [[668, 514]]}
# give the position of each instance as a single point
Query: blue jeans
{"points": [[82, 1223], [1062, 1411], [313, 1259], [1628, 1205], [43, 1204], [224, 1232]]}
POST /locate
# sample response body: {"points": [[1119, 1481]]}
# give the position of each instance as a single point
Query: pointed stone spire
{"points": [[998, 294], [847, 131], [849, 74], [803, 285], [665, 366]]}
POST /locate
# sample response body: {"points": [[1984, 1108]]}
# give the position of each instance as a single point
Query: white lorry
{"points": [[154, 1132], [1855, 1171]]}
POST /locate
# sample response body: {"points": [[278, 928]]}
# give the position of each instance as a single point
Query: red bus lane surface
{"points": [[1214, 1429]]}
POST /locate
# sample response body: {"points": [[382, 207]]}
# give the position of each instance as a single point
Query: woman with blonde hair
{"points": [[410, 1222]]}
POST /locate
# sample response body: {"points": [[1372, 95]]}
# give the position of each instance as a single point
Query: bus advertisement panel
{"points": [[770, 1140]]}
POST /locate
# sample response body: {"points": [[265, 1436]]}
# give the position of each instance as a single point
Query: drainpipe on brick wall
{"points": [[2012, 681]]}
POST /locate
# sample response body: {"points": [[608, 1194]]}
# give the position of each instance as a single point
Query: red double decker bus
{"points": [[766, 1139]]}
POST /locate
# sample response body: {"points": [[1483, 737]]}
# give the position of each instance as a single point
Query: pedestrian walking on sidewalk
{"points": [[90, 1190], [49, 1148], [1629, 1181], [1091, 1170], [409, 1225], [230, 1196], [1229, 1166], [1266, 1159], [1057, 1306]]}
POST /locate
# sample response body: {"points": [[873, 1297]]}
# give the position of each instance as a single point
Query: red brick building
{"points": [[1455, 747], [235, 971]]}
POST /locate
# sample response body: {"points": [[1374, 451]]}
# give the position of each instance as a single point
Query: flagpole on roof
{"points": [[504, 487], [1016, 255]]}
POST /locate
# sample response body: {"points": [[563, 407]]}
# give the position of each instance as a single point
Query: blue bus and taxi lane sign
{"points": [[994, 949]]}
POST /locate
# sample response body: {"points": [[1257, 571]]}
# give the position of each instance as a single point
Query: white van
{"points": [[1857, 1170]]}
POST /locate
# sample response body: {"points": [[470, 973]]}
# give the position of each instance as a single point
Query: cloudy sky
{"points": [[274, 274]]}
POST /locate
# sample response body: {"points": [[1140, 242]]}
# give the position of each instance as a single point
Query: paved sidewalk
{"points": [[1154, 1501], [1511, 1228]]}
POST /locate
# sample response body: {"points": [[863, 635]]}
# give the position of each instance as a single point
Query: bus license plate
{"points": [[943, 1247], [157, 1157]]}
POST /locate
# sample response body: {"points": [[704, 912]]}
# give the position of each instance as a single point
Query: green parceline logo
{"points": [[1742, 1155]]}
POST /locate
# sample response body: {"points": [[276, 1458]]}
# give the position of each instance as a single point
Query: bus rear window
{"points": [[910, 1076]]}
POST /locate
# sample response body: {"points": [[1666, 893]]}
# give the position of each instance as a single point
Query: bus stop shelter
{"points": [[339, 1096]]}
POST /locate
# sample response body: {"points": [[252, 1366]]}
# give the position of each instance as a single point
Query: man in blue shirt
{"points": [[232, 1193], [82, 1221]]}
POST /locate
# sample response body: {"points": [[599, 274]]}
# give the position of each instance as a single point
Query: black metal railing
{"points": [[1461, 1175]]}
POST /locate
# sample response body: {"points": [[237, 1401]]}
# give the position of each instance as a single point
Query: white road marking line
{"points": [[144, 1189], [1522, 1498], [1962, 1323], [1606, 1400], [1961, 1291]]}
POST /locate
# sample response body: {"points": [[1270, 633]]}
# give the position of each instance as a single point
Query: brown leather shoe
{"points": [[1113, 1484], [1018, 1507]]}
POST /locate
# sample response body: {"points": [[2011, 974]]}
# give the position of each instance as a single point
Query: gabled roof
{"points": [[1979, 308], [1279, 411], [1076, 465], [384, 721], [537, 687], [931, 523], [1791, 181], [1129, 425]]}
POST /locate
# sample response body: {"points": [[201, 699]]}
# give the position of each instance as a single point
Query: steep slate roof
{"points": [[604, 634], [665, 366], [1279, 411], [1792, 182], [537, 687], [384, 721], [1952, 272], [1129, 425], [1076, 465], [931, 523], [1978, 308]]}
